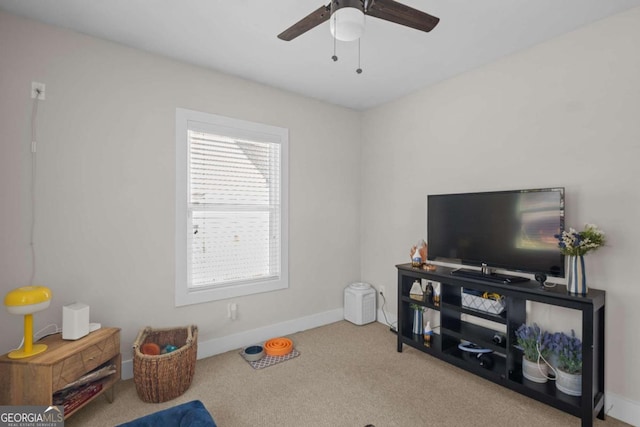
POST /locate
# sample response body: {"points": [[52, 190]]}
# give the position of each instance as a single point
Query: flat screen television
{"points": [[512, 230]]}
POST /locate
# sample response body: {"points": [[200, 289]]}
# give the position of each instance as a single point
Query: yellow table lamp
{"points": [[28, 300]]}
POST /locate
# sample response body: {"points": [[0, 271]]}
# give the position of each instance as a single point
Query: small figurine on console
{"points": [[420, 250], [418, 254]]}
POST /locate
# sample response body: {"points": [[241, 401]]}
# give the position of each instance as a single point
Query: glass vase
{"points": [[576, 277], [417, 322]]}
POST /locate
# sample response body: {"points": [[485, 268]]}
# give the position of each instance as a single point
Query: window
{"points": [[231, 207]]}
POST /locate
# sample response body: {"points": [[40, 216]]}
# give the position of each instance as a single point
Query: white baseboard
{"points": [[622, 408], [237, 341]]}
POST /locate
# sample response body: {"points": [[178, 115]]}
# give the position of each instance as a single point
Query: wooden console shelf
{"points": [[507, 359], [34, 380]]}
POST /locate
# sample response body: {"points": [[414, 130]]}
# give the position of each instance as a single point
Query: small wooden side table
{"points": [[34, 380]]}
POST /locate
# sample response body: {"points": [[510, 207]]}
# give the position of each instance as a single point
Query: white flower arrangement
{"points": [[575, 243]]}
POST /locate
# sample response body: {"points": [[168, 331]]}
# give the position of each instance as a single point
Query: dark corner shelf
{"points": [[476, 334], [417, 342], [470, 362], [498, 318], [546, 392], [425, 304]]}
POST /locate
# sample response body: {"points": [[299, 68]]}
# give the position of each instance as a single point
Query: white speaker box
{"points": [[75, 321]]}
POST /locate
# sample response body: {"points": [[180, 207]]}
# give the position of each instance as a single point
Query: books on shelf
{"points": [[77, 392], [74, 398]]}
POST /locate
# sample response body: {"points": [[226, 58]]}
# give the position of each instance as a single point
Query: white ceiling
{"points": [[239, 37]]}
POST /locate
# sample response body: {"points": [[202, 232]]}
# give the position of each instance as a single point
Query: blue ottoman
{"points": [[190, 414]]}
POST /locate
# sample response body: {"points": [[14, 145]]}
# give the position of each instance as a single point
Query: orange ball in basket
{"points": [[278, 346], [150, 348]]}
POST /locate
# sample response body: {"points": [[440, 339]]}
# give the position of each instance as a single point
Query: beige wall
{"points": [[106, 184], [564, 113]]}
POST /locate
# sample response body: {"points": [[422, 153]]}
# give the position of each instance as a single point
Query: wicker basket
{"points": [[165, 376]]}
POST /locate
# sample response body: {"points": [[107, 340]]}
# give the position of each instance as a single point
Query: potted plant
{"points": [[569, 378], [554, 348], [575, 245], [536, 348]]}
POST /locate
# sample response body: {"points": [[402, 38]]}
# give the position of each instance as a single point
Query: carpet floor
{"points": [[346, 375]]}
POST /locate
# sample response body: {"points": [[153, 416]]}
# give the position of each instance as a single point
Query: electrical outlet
{"points": [[37, 90], [382, 291]]}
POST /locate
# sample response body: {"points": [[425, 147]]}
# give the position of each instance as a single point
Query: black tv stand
{"points": [[460, 323], [492, 277]]}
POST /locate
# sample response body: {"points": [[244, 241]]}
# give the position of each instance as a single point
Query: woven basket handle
{"points": [[138, 342], [190, 331]]}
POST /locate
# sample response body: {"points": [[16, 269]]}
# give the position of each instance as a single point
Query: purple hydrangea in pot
{"points": [[569, 379], [536, 348]]}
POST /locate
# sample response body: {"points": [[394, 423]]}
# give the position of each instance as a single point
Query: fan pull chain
{"points": [[359, 70], [334, 57]]}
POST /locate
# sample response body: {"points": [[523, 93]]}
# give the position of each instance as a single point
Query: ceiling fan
{"points": [[347, 18]]}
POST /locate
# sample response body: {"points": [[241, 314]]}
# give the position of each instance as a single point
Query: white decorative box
{"points": [[483, 304]]}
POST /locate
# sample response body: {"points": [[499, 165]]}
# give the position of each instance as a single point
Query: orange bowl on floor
{"points": [[278, 346]]}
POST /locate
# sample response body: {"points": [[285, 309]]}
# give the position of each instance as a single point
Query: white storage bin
{"points": [[483, 304]]}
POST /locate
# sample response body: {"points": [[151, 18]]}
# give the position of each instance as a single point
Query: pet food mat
{"points": [[267, 360]]}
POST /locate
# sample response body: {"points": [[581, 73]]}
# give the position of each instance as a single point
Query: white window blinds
{"points": [[234, 206], [231, 207]]}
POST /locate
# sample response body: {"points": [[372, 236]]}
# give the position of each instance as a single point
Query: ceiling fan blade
{"points": [[315, 18], [398, 13]]}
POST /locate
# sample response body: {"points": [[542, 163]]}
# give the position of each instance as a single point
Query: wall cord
{"points": [[34, 143], [384, 301]]}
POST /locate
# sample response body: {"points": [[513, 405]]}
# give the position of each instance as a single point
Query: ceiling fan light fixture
{"points": [[347, 24]]}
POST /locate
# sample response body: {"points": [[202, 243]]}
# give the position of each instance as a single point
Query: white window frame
{"points": [[189, 119]]}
